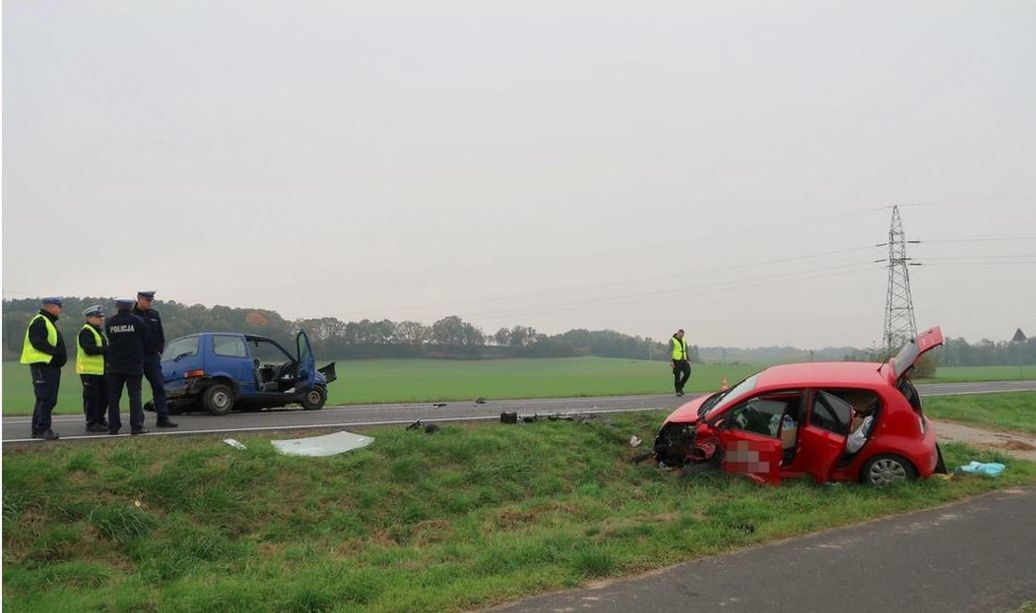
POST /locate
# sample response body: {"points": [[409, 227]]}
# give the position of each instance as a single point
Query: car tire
{"points": [[218, 399], [887, 469], [314, 399]]}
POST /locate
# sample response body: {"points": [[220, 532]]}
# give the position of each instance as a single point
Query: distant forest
{"points": [[452, 337]]}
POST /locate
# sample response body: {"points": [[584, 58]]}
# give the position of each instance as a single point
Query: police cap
{"points": [[94, 311], [124, 303], [149, 294], [58, 300]]}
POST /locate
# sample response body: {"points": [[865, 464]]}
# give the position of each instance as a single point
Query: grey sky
{"points": [[553, 165]]}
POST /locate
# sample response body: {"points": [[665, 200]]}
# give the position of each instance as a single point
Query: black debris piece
{"points": [[509, 418], [417, 425], [480, 400], [439, 405], [637, 459], [430, 428]]}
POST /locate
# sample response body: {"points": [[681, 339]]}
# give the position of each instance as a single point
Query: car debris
{"points": [[439, 405], [635, 441], [322, 446], [834, 421], [420, 425], [480, 400], [236, 444], [514, 417]]}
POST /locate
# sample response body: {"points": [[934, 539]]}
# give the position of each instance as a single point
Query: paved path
{"points": [[16, 429], [970, 556]]}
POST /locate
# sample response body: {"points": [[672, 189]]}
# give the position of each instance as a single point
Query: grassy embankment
{"points": [[1008, 411], [470, 516], [379, 381]]}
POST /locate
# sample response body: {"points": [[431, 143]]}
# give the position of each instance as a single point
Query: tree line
{"points": [[332, 338]]}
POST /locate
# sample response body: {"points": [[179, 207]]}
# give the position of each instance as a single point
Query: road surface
{"points": [[16, 429], [975, 555]]}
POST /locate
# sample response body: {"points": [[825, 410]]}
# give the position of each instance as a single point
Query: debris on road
{"points": [[438, 405], [236, 444], [989, 469], [420, 425], [480, 400], [321, 446]]}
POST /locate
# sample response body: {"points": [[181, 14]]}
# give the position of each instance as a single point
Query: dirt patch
{"points": [[1017, 445]]}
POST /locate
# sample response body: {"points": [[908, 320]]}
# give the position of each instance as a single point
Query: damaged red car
{"points": [[833, 421]]}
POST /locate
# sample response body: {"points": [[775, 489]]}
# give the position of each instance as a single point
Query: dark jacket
{"points": [[38, 339], [127, 337], [156, 337], [89, 343]]}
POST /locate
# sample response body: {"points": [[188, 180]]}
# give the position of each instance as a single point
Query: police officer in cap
{"points": [[44, 351], [153, 356], [127, 338], [91, 345]]}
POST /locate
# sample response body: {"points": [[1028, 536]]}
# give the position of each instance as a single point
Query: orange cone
{"points": [[726, 385]]}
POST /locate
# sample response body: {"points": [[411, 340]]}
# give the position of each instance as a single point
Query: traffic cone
{"points": [[726, 386]]}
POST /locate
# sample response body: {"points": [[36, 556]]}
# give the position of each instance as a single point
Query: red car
{"points": [[833, 421]]}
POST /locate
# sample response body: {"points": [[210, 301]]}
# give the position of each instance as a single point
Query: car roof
{"points": [[823, 374]]}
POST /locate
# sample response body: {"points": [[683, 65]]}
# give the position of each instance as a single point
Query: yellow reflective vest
{"points": [[679, 349], [32, 355], [87, 364]]}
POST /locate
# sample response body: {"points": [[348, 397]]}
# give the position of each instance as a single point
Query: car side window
{"points": [[831, 412], [229, 346], [762, 414], [182, 348]]}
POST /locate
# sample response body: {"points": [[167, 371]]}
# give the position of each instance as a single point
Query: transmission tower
{"points": [[900, 325]]}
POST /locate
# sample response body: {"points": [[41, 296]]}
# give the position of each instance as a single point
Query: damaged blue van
{"points": [[219, 372]]}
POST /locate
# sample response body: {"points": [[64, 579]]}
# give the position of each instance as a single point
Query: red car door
{"points": [[823, 435], [750, 436]]}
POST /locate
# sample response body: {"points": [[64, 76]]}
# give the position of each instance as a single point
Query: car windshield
{"points": [[733, 393]]}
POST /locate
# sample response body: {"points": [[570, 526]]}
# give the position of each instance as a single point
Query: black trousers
{"points": [[132, 382], [95, 398], [681, 373], [153, 374], [45, 382]]}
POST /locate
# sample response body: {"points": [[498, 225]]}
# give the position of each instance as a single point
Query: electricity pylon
{"points": [[900, 325]]}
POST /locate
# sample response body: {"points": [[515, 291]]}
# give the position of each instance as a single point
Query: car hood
{"points": [[687, 413]]}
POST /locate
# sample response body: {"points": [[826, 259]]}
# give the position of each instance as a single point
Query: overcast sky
{"points": [[639, 167]]}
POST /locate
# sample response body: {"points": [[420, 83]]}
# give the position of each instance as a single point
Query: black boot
{"points": [[165, 422]]}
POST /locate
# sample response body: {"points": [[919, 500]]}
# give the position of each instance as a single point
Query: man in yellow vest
{"points": [[91, 345], [681, 362], [44, 351]]}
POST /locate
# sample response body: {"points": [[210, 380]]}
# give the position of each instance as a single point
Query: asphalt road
{"points": [[971, 556], [16, 429]]}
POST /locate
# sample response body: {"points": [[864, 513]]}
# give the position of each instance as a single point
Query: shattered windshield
{"points": [[733, 393]]}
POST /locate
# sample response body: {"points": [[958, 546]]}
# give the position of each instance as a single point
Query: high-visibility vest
{"points": [[87, 364], [32, 355], [679, 349]]}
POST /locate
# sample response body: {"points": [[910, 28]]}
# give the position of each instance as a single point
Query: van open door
{"points": [[914, 349], [306, 375]]}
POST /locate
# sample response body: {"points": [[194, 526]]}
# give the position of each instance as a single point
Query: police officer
{"points": [[127, 337], [153, 356], [44, 351], [91, 345], [681, 362]]}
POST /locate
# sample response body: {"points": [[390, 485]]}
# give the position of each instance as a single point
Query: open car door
{"points": [[823, 435], [306, 375], [749, 435]]}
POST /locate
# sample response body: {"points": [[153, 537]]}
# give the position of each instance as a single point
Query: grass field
{"points": [[377, 381], [960, 374], [467, 517], [1008, 411]]}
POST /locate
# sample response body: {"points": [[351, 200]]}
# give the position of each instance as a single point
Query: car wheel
{"points": [[886, 470], [218, 399], [314, 399]]}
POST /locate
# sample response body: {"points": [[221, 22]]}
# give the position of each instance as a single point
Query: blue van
{"points": [[223, 371]]}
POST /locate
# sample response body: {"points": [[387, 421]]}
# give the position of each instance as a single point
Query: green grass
{"points": [[962, 374], [467, 517], [380, 381], [1008, 411]]}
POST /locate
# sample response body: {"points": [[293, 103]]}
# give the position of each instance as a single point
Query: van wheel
{"points": [[886, 470], [314, 399], [218, 399]]}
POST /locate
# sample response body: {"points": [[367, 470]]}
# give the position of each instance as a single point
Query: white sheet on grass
{"points": [[319, 446]]}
